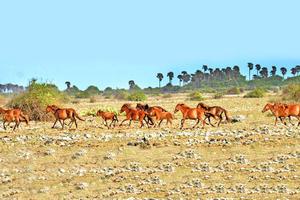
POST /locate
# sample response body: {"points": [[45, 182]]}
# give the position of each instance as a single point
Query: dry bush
{"points": [[34, 101]]}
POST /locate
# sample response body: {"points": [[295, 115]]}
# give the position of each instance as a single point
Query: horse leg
{"points": [[290, 120], [276, 121], [4, 125], [111, 123], [75, 121], [210, 122], [182, 123], [282, 121], [160, 123], [123, 122], [54, 123], [16, 124], [106, 124], [198, 120], [62, 123], [220, 120]]}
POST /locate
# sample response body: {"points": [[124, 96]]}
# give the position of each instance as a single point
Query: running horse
{"points": [[108, 116], [190, 113], [61, 114], [214, 111], [133, 114], [146, 107], [13, 115], [281, 111], [161, 115]]}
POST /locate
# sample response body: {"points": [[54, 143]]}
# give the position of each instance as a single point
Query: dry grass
{"points": [[251, 159]]}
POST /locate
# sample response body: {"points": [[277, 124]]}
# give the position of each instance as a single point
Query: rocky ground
{"points": [[250, 159]]}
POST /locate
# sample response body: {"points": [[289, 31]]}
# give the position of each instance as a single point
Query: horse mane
{"points": [[202, 105]]}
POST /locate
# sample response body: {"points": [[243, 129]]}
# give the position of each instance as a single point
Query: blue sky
{"points": [[107, 43]]}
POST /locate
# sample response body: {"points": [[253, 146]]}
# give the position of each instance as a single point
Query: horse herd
{"points": [[151, 115]]}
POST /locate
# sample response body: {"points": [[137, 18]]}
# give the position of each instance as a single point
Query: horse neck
{"points": [[126, 109], [2, 110]]}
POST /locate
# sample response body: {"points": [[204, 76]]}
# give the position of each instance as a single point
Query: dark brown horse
{"points": [[61, 114], [133, 114], [214, 111], [161, 115], [282, 111], [190, 113], [108, 116], [146, 108], [13, 115]]}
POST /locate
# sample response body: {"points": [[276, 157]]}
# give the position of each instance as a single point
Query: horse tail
{"points": [[226, 115], [77, 116], [25, 117]]}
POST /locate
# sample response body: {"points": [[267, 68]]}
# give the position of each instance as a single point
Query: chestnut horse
{"points": [[146, 107], [214, 111], [13, 115], [282, 111], [161, 115], [133, 114], [108, 116], [61, 114], [190, 113]]}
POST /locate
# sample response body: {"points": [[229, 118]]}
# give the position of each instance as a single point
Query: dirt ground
{"points": [[250, 159]]}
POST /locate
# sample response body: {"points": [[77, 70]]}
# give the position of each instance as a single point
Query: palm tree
{"points": [[186, 78], [273, 71], [250, 66], [204, 67], [160, 77], [180, 79], [131, 84], [298, 69], [264, 72], [171, 76], [283, 71], [68, 83], [293, 71], [236, 71], [257, 67]]}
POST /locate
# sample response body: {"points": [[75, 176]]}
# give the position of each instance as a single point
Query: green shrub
{"points": [[234, 90], [218, 95], [36, 98], [256, 93], [196, 96], [137, 96], [291, 92]]}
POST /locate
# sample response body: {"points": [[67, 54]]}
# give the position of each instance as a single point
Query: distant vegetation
{"points": [[220, 81]]}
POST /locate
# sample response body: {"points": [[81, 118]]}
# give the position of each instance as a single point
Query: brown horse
{"points": [[133, 114], [146, 107], [13, 115], [161, 115], [282, 111], [61, 114], [108, 116], [214, 111], [190, 113]]}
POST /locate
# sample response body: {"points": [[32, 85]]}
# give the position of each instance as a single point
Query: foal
{"points": [[108, 116], [161, 115], [133, 114], [214, 111], [190, 113], [61, 114], [13, 115]]}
